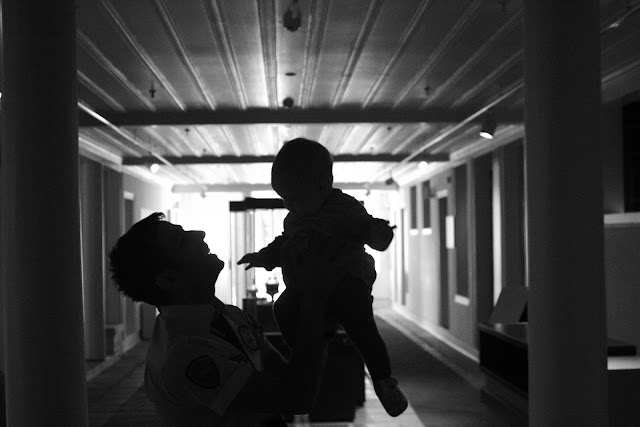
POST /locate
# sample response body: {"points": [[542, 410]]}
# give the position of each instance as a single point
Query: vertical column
{"points": [[113, 219], [567, 333], [45, 372], [92, 225]]}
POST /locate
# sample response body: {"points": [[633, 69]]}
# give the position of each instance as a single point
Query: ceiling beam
{"points": [[202, 117], [212, 160], [206, 188]]}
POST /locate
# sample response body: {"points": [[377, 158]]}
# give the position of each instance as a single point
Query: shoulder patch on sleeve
{"points": [[203, 372], [247, 337]]}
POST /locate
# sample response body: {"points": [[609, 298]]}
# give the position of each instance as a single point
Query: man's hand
{"points": [[253, 259]]}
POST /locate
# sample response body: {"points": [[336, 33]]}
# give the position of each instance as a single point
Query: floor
{"points": [[443, 388]]}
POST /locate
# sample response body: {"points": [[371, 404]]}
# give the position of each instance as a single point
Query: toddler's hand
{"points": [[253, 259], [380, 234]]}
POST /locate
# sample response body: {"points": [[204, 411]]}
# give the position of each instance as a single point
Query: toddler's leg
{"points": [[352, 308], [355, 313], [285, 311]]}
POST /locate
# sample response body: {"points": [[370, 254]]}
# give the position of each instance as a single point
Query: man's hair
{"points": [[304, 159], [136, 259]]}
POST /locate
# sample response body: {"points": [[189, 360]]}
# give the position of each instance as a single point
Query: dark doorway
{"points": [[128, 214], [483, 176], [444, 262]]}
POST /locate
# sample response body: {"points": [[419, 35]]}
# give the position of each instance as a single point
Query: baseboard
{"points": [[442, 334], [506, 394], [130, 341]]}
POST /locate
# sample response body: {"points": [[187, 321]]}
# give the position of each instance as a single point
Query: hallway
{"points": [[443, 388]]}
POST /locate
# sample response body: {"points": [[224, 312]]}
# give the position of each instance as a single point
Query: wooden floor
{"points": [[441, 391]]}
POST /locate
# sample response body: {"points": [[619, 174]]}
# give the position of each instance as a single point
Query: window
{"points": [[426, 205], [413, 206]]}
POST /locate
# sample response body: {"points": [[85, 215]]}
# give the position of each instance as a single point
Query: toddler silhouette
{"points": [[302, 176]]}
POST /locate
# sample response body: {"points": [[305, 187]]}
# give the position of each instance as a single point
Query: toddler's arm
{"points": [[267, 257], [380, 234], [365, 229]]}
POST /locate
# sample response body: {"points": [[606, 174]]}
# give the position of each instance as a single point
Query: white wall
{"points": [[211, 215]]}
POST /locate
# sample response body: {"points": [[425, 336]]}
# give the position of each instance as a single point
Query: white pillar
{"points": [[567, 321], [45, 368]]}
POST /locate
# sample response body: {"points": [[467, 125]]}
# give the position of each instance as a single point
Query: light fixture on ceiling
{"points": [[423, 164], [390, 181], [292, 19], [489, 125], [154, 167]]}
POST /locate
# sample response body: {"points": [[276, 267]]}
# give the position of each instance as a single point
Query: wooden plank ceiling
{"points": [[198, 86]]}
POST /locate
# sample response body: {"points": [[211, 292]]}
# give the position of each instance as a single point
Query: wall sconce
{"points": [[489, 125]]}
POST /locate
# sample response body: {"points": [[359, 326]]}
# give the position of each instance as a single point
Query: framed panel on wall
{"points": [[631, 156], [460, 232], [426, 208], [413, 209]]}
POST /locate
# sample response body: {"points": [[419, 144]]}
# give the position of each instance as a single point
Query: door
{"points": [[444, 261]]}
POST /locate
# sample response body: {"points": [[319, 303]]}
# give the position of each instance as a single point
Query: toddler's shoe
{"points": [[390, 396]]}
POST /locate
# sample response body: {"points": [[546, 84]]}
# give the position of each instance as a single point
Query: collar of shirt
{"points": [[191, 319]]}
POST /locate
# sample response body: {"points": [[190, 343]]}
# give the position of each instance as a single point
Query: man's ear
{"points": [[167, 279]]}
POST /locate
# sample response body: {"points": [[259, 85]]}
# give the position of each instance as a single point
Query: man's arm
{"points": [[295, 391]]}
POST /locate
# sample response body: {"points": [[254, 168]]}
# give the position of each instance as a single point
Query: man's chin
{"points": [[216, 262], [216, 268]]}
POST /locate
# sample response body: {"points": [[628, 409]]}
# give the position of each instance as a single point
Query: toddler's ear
{"points": [[167, 279]]}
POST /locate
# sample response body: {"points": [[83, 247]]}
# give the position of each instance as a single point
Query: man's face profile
{"points": [[196, 267]]}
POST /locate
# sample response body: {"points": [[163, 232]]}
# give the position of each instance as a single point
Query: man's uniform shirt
{"points": [[199, 358]]}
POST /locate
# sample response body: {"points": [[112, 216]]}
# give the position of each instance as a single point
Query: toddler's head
{"points": [[302, 175]]}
